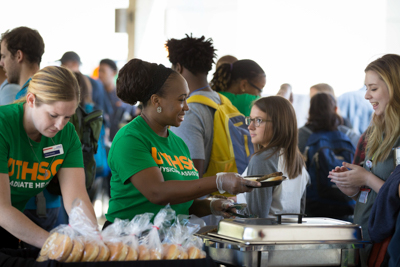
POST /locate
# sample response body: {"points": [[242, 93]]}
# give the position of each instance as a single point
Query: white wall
{"points": [[298, 42], [83, 26]]}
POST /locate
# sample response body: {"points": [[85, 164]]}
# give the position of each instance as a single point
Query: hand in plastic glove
{"points": [[220, 207], [233, 183]]}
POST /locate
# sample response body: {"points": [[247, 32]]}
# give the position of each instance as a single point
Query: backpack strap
{"points": [[201, 99]]}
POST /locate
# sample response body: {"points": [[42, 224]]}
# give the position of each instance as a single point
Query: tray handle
{"points": [[299, 216]]}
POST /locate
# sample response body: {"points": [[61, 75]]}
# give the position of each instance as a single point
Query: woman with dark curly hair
{"points": [[241, 82], [150, 165]]}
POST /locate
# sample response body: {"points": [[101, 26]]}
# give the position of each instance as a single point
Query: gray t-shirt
{"points": [[198, 127], [305, 132], [8, 91], [259, 200]]}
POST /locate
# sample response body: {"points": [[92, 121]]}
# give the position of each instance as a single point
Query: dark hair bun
{"points": [[135, 80]]}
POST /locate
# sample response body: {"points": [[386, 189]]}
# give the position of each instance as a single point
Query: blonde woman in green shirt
{"points": [[150, 165], [36, 143]]}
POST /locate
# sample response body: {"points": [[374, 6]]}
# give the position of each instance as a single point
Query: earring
{"points": [[159, 110]]}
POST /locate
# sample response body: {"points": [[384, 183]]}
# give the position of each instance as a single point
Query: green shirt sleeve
{"points": [[131, 155]]}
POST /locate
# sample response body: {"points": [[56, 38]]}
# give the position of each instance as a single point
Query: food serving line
{"points": [[284, 241]]}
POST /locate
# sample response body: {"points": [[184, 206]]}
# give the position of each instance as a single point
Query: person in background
{"points": [[382, 80], [323, 199], [21, 53], [273, 128], [38, 121], [228, 59], [286, 92], [353, 107], [193, 58], [327, 89], [8, 91], [241, 82], [72, 61], [160, 171], [107, 73], [323, 117]]}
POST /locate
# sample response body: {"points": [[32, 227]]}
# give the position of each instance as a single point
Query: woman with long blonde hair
{"points": [[382, 79]]}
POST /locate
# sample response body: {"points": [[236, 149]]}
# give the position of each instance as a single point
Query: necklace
{"points": [[46, 172]]}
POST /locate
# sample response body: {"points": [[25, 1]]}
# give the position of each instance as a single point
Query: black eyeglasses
{"points": [[252, 85], [257, 121]]}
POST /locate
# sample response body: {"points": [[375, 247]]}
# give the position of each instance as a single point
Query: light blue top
{"points": [[8, 91], [357, 109]]}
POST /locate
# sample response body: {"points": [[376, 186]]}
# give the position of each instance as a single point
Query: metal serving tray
{"points": [[268, 231]]}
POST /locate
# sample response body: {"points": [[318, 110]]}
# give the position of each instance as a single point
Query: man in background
{"points": [[21, 53]]}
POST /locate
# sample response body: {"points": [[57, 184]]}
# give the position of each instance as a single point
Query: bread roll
{"points": [[193, 253], [277, 178], [76, 252], [183, 255], [118, 251], [172, 252], [155, 254], [132, 254], [61, 248], [104, 253], [91, 252], [48, 244], [144, 253]]}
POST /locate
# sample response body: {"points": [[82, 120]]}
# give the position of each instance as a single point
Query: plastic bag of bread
{"points": [[176, 242], [194, 247], [133, 231], [154, 248], [94, 249], [115, 241], [59, 245]]}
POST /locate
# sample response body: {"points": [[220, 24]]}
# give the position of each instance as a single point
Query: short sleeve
{"points": [[4, 150], [130, 155]]}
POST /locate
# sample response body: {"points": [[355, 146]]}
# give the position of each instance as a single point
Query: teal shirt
{"points": [[243, 102]]}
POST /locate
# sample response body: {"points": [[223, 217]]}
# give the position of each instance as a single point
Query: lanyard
{"points": [[198, 89]]}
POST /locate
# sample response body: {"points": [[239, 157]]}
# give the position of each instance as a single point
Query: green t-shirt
{"points": [[26, 174], [243, 102], [137, 147]]}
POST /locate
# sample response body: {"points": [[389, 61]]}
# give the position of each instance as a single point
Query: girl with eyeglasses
{"points": [[241, 82], [273, 129]]}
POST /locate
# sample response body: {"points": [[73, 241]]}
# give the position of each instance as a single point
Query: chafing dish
{"points": [[293, 242]]}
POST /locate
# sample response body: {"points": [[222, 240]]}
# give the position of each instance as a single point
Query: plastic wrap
{"points": [[162, 220]]}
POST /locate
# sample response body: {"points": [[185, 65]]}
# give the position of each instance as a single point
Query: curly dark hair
{"points": [[138, 80], [27, 40], [195, 54], [227, 73], [322, 113]]}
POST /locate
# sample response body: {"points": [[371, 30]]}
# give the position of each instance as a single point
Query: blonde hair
{"points": [[385, 129], [285, 134], [52, 84]]}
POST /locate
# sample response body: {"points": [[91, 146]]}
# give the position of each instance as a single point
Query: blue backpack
{"points": [[324, 151]]}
